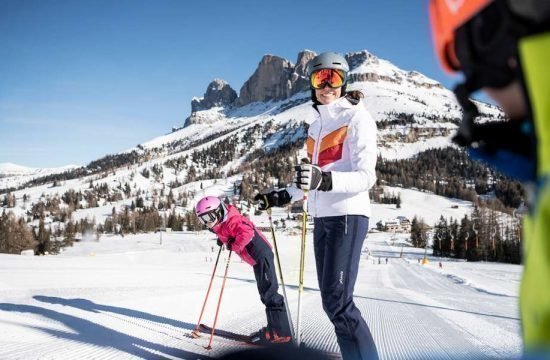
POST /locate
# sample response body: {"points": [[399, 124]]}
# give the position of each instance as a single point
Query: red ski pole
{"points": [[195, 332], [209, 347]]}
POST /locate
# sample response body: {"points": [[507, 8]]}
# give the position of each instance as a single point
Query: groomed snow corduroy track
{"points": [[141, 304]]}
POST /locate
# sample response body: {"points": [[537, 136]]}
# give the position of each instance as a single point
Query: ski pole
{"points": [[195, 332], [302, 265], [209, 347], [280, 273], [302, 262]]}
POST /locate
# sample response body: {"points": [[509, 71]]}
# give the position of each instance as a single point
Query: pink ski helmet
{"points": [[210, 210]]}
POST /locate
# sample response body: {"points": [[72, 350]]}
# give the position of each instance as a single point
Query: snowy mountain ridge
{"points": [[413, 114], [10, 169]]}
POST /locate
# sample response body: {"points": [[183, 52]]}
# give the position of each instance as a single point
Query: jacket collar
{"points": [[230, 212], [331, 110]]}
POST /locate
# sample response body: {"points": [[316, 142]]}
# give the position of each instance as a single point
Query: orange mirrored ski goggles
{"points": [[331, 77]]}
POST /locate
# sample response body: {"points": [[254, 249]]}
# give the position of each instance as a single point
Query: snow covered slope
{"points": [[132, 298], [13, 175]]}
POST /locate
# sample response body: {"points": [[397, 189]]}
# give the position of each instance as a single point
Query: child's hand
{"points": [[219, 242], [229, 244]]}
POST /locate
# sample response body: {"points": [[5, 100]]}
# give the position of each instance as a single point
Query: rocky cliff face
{"points": [[278, 79], [218, 93], [270, 81], [274, 79], [299, 79], [395, 75]]}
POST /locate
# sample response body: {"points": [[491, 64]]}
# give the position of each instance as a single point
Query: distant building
{"points": [[391, 226], [308, 219], [297, 207], [405, 225], [398, 225]]}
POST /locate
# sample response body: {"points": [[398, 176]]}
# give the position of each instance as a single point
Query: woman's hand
{"points": [[310, 177]]}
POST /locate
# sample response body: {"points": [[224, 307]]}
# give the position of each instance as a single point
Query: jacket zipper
{"points": [[316, 153]]}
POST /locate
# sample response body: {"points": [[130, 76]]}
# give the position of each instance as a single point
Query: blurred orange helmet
{"points": [[446, 16]]}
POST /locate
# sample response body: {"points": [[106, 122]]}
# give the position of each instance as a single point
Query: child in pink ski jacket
{"points": [[240, 235]]}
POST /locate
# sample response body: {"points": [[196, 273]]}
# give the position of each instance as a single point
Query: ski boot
{"points": [[264, 336]]}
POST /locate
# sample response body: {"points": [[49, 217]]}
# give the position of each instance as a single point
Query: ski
{"points": [[247, 340], [227, 334]]}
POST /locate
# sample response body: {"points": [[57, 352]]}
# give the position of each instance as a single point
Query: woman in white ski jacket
{"points": [[341, 147], [342, 141]]}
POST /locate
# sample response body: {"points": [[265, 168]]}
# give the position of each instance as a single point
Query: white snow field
{"points": [[134, 298]]}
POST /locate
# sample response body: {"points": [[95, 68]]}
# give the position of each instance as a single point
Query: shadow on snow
{"points": [[84, 331], [437, 307]]}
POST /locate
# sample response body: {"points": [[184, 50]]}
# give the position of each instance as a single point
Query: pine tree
{"points": [[463, 237], [453, 236], [478, 230], [69, 233], [192, 222], [43, 238], [398, 201], [15, 235], [419, 235], [4, 230], [440, 237]]}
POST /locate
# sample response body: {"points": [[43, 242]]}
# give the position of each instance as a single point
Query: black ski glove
{"points": [[273, 198], [310, 177], [229, 245], [219, 242]]}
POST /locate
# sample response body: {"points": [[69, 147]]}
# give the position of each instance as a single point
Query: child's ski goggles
{"points": [[332, 77], [208, 218]]}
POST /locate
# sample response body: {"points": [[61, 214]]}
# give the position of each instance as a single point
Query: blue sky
{"points": [[80, 79]]}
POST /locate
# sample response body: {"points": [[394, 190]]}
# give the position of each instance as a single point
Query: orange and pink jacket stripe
{"points": [[342, 140]]}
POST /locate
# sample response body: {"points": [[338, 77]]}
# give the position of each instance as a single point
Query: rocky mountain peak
{"points": [[304, 57], [277, 78], [299, 78], [218, 93], [270, 81], [356, 59]]}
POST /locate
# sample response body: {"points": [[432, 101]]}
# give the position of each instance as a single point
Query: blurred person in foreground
{"points": [[503, 48]]}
